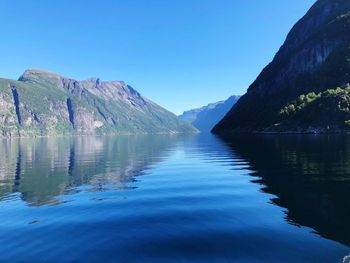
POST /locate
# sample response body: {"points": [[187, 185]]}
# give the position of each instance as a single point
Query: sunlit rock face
{"points": [[314, 58], [45, 103]]}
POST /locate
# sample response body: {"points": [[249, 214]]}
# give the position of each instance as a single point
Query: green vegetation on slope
{"points": [[305, 100], [41, 103], [318, 112]]}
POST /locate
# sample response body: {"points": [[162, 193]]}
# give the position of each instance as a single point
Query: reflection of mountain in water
{"points": [[309, 175], [43, 169]]}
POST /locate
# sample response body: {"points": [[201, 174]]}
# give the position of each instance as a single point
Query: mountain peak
{"points": [[93, 80], [35, 74]]}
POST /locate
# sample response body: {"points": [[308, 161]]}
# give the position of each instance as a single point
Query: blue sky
{"points": [[181, 54]]}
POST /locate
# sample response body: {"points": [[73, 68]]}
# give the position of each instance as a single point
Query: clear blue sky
{"points": [[179, 53]]}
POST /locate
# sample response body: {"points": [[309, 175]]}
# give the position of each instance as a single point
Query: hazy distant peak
{"points": [[204, 118]]}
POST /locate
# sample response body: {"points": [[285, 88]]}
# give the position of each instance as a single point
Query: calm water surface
{"points": [[175, 199]]}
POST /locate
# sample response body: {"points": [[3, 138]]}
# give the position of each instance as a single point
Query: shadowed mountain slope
{"points": [[315, 57]]}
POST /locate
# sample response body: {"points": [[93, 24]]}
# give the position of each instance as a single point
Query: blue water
{"points": [[161, 198]]}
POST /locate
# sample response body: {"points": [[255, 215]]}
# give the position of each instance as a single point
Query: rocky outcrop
{"points": [[205, 118], [42, 103], [315, 57]]}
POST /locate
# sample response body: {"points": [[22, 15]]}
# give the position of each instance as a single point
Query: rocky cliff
{"points": [[205, 118], [42, 103], [315, 57]]}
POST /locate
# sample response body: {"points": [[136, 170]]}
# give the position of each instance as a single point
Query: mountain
{"points": [[42, 103], [314, 58], [205, 118]]}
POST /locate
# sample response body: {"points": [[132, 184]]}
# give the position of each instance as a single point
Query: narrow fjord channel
{"points": [[182, 198]]}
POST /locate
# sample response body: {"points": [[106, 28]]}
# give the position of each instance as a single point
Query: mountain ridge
{"points": [[43, 103]]}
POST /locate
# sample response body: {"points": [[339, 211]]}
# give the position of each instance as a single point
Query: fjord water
{"points": [[163, 198]]}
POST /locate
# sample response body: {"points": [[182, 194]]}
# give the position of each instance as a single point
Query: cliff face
{"points": [[315, 57], [205, 118], [45, 103]]}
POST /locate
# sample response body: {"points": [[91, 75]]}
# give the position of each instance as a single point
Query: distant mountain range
{"points": [[42, 103], [306, 86], [206, 117]]}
